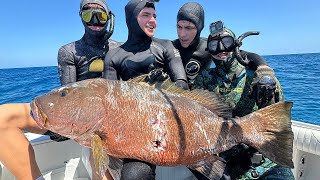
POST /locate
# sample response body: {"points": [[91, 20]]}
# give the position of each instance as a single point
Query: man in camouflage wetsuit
{"points": [[245, 93]]}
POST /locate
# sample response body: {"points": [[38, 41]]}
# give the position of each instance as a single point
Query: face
{"points": [[223, 55], [147, 21], [95, 26], [187, 31]]}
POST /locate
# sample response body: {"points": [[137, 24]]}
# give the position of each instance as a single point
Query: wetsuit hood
{"points": [[132, 10], [193, 12], [89, 31]]}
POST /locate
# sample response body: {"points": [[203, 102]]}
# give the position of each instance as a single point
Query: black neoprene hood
{"points": [[100, 2], [194, 13]]}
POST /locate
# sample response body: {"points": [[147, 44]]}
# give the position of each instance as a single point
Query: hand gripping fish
{"points": [[161, 124]]}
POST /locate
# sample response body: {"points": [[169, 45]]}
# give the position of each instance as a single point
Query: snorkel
{"points": [[111, 27], [238, 42]]}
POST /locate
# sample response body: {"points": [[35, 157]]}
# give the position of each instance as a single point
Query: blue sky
{"points": [[31, 32]]}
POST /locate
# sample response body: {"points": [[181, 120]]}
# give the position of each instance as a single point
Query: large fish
{"points": [[162, 124]]}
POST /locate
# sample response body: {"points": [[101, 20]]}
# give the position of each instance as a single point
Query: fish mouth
{"points": [[38, 115]]}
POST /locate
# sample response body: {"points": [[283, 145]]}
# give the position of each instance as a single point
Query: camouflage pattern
{"points": [[235, 86]]}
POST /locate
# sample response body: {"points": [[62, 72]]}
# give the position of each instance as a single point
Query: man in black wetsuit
{"points": [[84, 59], [192, 47], [141, 54]]}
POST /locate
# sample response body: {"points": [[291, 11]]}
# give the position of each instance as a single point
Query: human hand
{"points": [[264, 87], [182, 84], [156, 75]]}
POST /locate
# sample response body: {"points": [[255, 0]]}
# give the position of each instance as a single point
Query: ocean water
{"points": [[298, 74]]}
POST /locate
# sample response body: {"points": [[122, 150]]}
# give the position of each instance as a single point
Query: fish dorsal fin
{"points": [[212, 101], [138, 79]]}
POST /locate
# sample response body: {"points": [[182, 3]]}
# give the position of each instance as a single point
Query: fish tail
{"points": [[271, 132]]}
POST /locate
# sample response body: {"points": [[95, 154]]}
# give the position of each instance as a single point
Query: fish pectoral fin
{"points": [[100, 156], [212, 168]]}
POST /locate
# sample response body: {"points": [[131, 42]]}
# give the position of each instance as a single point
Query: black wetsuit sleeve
{"points": [[255, 60], [173, 63], [110, 69], [66, 67]]}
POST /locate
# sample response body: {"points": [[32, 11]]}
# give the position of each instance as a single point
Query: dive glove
{"points": [[264, 87], [156, 75]]}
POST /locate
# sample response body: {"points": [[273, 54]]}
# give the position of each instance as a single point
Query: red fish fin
{"points": [[100, 157], [271, 132], [212, 169]]}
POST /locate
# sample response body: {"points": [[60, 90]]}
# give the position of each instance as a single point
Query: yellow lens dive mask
{"points": [[88, 14]]}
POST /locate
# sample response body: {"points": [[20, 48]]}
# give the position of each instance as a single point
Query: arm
{"points": [[255, 60], [18, 116], [16, 152], [174, 66], [66, 67], [110, 70]]}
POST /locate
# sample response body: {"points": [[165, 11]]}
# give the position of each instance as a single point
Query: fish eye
{"points": [[63, 93]]}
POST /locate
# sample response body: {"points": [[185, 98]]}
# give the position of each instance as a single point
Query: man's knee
{"points": [[137, 170]]}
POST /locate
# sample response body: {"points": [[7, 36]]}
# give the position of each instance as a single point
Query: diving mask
{"points": [[220, 44], [221, 39], [100, 15]]}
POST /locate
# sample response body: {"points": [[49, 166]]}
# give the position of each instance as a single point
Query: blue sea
{"points": [[299, 75]]}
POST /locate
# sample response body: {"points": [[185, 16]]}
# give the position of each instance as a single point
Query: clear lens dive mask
{"points": [[100, 15], [219, 42]]}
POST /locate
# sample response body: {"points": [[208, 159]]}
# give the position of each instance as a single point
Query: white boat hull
{"points": [[64, 160]]}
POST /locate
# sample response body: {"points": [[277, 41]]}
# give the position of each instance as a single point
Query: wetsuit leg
{"points": [[198, 175], [137, 170], [278, 173]]}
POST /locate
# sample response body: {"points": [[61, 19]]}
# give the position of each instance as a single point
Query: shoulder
{"points": [[68, 48], [114, 44], [165, 43], [251, 55], [202, 47], [66, 52], [114, 54], [166, 46]]}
